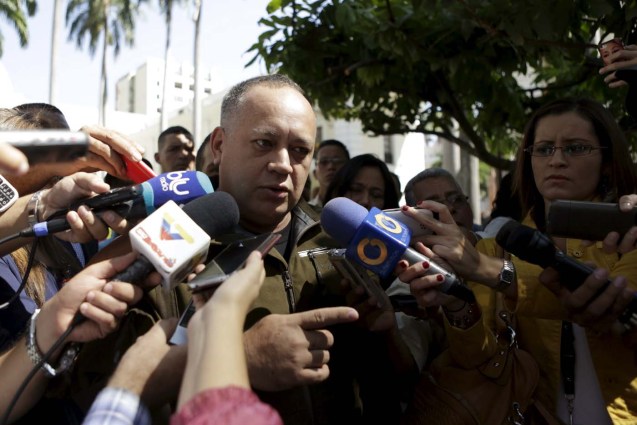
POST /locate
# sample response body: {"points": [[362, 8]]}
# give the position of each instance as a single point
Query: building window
{"points": [[178, 85], [208, 91], [131, 95], [387, 149]]}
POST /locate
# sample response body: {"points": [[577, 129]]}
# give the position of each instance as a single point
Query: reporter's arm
{"points": [[104, 154], [215, 387], [84, 225], [100, 301]]}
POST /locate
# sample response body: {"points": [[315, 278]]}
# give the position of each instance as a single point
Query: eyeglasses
{"points": [[334, 161], [574, 149], [455, 200]]}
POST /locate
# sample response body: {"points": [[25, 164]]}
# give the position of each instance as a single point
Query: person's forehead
{"points": [[435, 187], [177, 139], [331, 151], [267, 111]]}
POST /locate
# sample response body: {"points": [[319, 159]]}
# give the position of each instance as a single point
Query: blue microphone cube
{"points": [[379, 243]]}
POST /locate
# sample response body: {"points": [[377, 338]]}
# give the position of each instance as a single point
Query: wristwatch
{"points": [[506, 276]]}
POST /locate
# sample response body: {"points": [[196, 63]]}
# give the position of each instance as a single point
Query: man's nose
{"points": [[280, 163]]}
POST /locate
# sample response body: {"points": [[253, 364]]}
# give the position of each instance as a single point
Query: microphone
{"points": [[170, 241], [132, 202], [535, 247], [173, 240], [377, 242], [416, 228]]}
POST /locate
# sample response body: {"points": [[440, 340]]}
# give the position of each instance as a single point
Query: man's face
{"points": [[264, 154], [176, 154], [329, 160], [441, 189]]}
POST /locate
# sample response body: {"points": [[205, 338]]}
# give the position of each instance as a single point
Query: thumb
{"points": [[109, 267], [323, 317]]}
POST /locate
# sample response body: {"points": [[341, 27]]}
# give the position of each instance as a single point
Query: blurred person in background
{"points": [[175, 150], [330, 156], [204, 161], [365, 180]]}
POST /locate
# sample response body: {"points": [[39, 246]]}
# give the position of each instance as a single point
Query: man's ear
{"points": [[157, 157], [216, 143]]}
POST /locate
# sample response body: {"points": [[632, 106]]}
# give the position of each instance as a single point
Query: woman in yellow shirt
{"points": [[572, 150]]}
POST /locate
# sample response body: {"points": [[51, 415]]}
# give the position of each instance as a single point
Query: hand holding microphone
{"points": [[131, 202], [378, 242], [170, 241], [534, 247]]}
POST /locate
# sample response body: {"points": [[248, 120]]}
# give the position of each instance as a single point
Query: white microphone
{"points": [[171, 242]]}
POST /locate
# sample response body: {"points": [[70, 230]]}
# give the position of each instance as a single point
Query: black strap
{"points": [[567, 358]]}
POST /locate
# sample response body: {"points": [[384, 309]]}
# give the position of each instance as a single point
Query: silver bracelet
{"points": [[33, 208], [66, 361]]}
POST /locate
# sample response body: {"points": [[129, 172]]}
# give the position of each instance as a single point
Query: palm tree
{"points": [[13, 11], [166, 8], [108, 20]]}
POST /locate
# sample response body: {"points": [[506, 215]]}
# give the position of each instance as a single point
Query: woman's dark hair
{"points": [[507, 201], [33, 116], [618, 171], [347, 174]]}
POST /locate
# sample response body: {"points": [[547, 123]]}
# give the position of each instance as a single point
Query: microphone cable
{"points": [[25, 278]]}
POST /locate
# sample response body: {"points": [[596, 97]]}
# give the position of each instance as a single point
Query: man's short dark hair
{"points": [[177, 129], [200, 151], [233, 98], [331, 142]]}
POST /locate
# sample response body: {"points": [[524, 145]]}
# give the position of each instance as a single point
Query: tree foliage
{"points": [[93, 19], [112, 21], [425, 65], [15, 12]]}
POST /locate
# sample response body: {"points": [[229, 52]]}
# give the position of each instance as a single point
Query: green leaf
{"points": [[273, 6]]}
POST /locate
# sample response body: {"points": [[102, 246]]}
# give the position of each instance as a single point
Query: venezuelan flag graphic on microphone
{"points": [[171, 231]]}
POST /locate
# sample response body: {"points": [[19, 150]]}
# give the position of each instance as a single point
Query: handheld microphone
{"points": [[413, 225], [173, 240], [132, 202], [534, 247], [377, 242]]}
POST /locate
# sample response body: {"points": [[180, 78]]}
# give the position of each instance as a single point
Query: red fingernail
{"points": [[418, 202], [425, 264], [440, 278], [402, 265], [405, 208]]}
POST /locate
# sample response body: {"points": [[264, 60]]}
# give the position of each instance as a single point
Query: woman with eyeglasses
{"points": [[365, 180], [572, 150]]}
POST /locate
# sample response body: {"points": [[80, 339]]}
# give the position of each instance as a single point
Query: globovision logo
{"points": [[172, 181], [388, 223], [379, 246]]}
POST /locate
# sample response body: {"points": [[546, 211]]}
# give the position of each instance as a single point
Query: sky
{"points": [[229, 28]]}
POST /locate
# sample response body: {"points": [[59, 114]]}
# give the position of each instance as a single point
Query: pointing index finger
{"points": [[323, 317]]}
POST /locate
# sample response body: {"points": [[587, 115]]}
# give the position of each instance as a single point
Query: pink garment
{"points": [[227, 406]]}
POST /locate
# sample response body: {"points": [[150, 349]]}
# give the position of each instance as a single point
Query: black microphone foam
{"points": [[216, 213], [534, 247]]}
